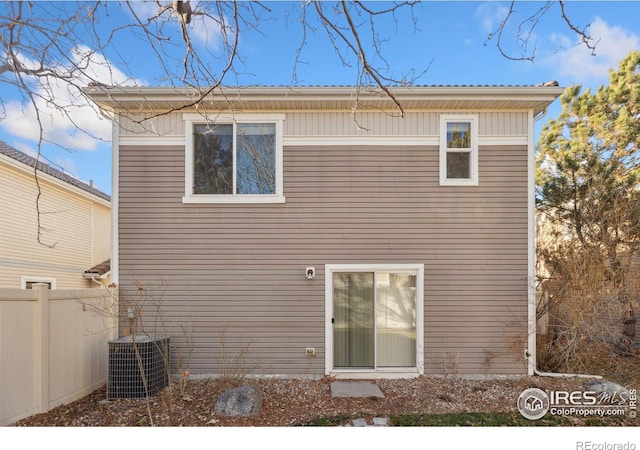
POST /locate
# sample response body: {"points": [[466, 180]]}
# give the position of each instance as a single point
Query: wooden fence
{"points": [[53, 347]]}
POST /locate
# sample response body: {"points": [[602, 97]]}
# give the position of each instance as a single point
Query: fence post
{"points": [[42, 346]]}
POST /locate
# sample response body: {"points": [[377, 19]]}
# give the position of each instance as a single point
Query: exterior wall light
{"points": [[311, 273]]}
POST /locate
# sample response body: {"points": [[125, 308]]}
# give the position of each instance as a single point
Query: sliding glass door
{"points": [[374, 319]]}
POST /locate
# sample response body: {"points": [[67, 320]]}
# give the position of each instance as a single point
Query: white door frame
{"points": [[418, 269]]}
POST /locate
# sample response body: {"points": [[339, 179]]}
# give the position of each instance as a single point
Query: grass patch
{"points": [[496, 420], [326, 422], [492, 419]]}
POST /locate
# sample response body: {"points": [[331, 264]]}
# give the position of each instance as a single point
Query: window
{"points": [[458, 150], [233, 159]]}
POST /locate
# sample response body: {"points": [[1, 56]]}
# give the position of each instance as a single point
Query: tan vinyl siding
{"points": [[241, 268], [342, 123], [101, 233], [497, 123], [66, 230]]}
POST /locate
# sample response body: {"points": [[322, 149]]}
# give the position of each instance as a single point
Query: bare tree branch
{"points": [[51, 51], [365, 64], [584, 37], [525, 29]]}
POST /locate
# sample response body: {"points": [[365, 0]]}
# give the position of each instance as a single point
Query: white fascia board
{"points": [[178, 140], [359, 140], [396, 140]]}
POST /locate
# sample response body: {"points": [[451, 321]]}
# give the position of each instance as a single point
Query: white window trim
{"points": [[24, 279], [191, 119], [473, 120], [400, 372]]}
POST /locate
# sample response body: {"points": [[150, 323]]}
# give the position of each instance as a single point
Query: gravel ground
{"points": [[294, 402], [290, 402]]}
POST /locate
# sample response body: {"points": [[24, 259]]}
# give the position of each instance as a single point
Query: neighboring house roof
{"points": [[247, 98], [99, 270], [45, 168]]}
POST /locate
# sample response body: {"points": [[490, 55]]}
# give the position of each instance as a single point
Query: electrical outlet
{"points": [[310, 351]]}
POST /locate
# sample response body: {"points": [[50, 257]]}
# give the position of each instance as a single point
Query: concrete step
{"points": [[355, 389]]}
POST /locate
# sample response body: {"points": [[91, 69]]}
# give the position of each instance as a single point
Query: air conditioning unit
{"points": [[136, 362]]}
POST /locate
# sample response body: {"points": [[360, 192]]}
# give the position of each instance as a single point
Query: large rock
{"points": [[243, 401]]}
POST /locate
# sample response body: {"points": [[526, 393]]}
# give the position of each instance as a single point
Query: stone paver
{"points": [[359, 422], [377, 422], [355, 389], [381, 421]]}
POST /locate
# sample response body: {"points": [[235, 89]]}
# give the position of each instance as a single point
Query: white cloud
{"points": [[491, 14], [206, 30], [145, 9], [575, 63], [71, 122]]}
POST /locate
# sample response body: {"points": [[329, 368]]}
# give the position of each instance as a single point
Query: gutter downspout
{"points": [[531, 351], [565, 375], [97, 279], [94, 278]]}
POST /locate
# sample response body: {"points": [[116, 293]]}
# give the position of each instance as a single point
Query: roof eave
{"points": [[155, 98]]}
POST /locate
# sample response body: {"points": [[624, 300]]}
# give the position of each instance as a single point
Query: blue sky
{"points": [[450, 39]]}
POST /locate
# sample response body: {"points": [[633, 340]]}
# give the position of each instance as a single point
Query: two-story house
{"points": [[325, 232]]}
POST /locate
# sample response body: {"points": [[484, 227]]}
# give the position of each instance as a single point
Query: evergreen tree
{"points": [[588, 181]]}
